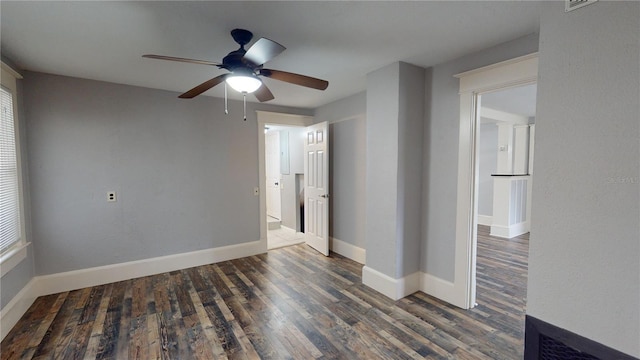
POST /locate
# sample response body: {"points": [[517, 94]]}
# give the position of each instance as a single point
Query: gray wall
{"points": [[488, 159], [584, 267], [440, 155], [184, 172], [395, 95], [382, 170], [347, 145], [411, 116]]}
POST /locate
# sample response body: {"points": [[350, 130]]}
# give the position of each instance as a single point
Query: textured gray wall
{"points": [[395, 96], [440, 171], [184, 172], [410, 142], [488, 159], [382, 170], [347, 141], [584, 262]]}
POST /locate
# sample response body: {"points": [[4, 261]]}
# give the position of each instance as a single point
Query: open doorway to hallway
{"points": [[505, 168], [284, 184]]}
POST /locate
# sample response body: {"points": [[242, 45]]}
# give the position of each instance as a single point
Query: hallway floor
{"points": [[282, 237]]}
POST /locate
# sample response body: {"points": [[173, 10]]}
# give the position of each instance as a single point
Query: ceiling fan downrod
{"points": [[244, 98], [226, 107]]}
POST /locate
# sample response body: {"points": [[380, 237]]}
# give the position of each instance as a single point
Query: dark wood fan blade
{"points": [[203, 87], [263, 50], [173, 58], [297, 79], [263, 93]]}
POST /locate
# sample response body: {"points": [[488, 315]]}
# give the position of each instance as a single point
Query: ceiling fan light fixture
{"points": [[244, 83]]}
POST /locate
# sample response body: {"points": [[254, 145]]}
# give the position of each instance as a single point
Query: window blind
{"points": [[9, 193]]}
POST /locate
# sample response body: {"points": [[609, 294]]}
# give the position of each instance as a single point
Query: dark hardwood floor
{"points": [[290, 303]]}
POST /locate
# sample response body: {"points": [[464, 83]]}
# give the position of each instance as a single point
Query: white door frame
{"points": [[507, 74], [264, 118]]}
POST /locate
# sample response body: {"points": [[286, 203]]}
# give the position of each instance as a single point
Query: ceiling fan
{"points": [[246, 67]]}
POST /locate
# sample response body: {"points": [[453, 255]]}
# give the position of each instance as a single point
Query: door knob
{"points": [[275, 184], [326, 196]]}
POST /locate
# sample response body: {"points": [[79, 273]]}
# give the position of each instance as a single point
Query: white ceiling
{"points": [[337, 41], [520, 100]]}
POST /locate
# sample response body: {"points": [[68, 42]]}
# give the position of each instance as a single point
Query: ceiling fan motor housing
{"points": [[241, 36], [235, 60]]}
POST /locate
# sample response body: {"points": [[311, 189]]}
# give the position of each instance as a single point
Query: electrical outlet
{"points": [[111, 196], [256, 191]]}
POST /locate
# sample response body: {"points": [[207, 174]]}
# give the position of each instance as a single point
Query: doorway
{"points": [[284, 181], [277, 121], [506, 127], [473, 84]]}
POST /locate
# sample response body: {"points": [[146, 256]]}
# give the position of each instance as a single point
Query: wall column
{"points": [[395, 113]]}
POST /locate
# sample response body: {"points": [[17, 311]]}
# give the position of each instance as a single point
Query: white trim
{"points": [[269, 117], [347, 250], [263, 118], [8, 79], [10, 70], [511, 231], [486, 220], [419, 281], [386, 285], [17, 307], [12, 258], [437, 287], [78, 279], [515, 72], [510, 73]]}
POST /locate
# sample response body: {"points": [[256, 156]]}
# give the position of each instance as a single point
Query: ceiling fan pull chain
{"points": [[226, 108], [244, 96]]}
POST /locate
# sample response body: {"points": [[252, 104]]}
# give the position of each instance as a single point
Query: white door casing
{"points": [[265, 118], [507, 74], [316, 191], [272, 168]]}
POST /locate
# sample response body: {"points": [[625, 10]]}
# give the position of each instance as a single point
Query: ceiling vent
{"points": [[575, 4]]}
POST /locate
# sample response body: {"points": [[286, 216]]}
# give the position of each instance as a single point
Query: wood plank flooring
{"points": [[290, 303]]}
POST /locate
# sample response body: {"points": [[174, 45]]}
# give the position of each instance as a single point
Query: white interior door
{"points": [[316, 191], [272, 170]]}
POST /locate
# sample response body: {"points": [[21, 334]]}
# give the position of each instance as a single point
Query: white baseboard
{"points": [[78, 279], [486, 220], [347, 250], [511, 231], [419, 281], [386, 285], [18, 306], [442, 289]]}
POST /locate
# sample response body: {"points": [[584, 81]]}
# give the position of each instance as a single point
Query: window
{"points": [[9, 195], [12, 241]]}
